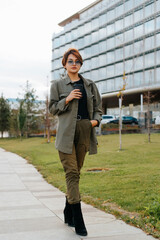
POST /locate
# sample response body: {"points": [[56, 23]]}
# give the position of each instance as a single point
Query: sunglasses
{"points": [[71, 62]]}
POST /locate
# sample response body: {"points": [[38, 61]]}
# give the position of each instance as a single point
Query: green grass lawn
{"points": [[132, 182]]}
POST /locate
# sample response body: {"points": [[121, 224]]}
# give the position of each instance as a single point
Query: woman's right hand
{"points": [[75, 94]]}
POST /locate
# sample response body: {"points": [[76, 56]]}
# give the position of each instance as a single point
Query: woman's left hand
{"points": [[94, 123]]}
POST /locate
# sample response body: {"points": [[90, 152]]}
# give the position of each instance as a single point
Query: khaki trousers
{"points": [[72, 163]]}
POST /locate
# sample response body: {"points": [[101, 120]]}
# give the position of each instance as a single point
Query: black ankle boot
{"points": [[68, 216], [78, 219]]}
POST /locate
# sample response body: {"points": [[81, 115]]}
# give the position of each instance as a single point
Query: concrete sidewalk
{"points": [[32, 209]]}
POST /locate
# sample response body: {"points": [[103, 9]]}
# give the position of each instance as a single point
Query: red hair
{"points": [[73, 51]]}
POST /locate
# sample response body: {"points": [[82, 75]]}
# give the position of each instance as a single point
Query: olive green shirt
{"points": [[67, 113]]}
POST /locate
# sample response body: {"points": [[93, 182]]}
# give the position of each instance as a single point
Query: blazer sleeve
{"points": [[97, 104], [56, 105]]}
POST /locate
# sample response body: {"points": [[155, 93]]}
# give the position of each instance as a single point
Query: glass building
{"points": [[113, 37]]}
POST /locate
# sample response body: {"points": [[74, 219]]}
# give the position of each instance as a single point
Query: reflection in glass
{"points": [[102, 46], [138, 63], [102, 33], [119, 39], [102, 73], [110, 43], [118, 54], [110, 29], [149, 26], [102, 59], [128, 20], [110, 71], [149, 43], [138, 15], [149, 10], [138, 79], [158, 40], [128, 35], [138, 47], [158, 75], [158, 57], [158, 23], [128, 50], [138, 31], [149, 60], [119, 68], [118, 25], [148, 77], [110, 57], [128, 65]]}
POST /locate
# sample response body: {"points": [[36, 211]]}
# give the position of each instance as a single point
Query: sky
{"points": [[26, 29]]}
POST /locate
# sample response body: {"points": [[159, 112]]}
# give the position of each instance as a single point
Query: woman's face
{"points": [[73, 65]]}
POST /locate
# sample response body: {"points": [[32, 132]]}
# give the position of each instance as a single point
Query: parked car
{"points": [[107, 118], [157, 120], [126, 120]]}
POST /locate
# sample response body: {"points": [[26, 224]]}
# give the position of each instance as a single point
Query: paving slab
{"points": [[30, 208]]}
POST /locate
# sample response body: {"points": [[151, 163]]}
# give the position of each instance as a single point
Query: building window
{"points": [[158, 57], [158, 5], [102, 19], [95, 49], [94, 62], [138, 47], [118, 25], [158, 75], [102, 73], [110, 85], [110, 71], [118, 39], [129, 81], [138, 15], [158, 40], [128, 20], [119, 10], [87, 39], [158, 23], [138, 31], [149, 60], [149, 43], [95, 36], [149, 77], [56, 43], [80, 42], [138, 63], [149, 26], [87, 75], [118, 54], [94, 75], [87, 52], [110, 29], [110, 15], [149, 10], [102, 46], [110, 43], [128, 5], [102, 33], [138, 79], [128, 66], [102, 59], [128, 50], [110, 57], [95, 23], [128, 35], [87, 27], [119, 68], [118, 83]]}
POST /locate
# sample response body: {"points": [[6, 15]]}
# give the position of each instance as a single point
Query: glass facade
{"points": [[113, 37]]}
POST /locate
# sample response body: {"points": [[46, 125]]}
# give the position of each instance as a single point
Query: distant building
{"points": [[115, 36]]}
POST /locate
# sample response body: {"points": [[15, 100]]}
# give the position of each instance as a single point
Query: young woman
{"points": [[77, 103]]}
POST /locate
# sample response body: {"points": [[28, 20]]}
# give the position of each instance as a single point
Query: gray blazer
{"points": [[67, 114]]}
